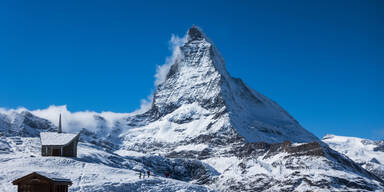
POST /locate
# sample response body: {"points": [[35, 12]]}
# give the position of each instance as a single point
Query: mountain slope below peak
{"points": [[368, 153]]}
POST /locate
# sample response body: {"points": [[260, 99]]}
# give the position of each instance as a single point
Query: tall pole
{"points": [[60, 131]]}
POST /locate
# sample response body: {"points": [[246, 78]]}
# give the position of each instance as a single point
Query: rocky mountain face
{"points": [[198, 77], [207, 129]]}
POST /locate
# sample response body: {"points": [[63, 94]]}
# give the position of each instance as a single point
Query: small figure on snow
{"points": [[166, 174], [140, 175], [148, 173]]}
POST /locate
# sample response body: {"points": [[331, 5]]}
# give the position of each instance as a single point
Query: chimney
{"points": [[60, 131]]}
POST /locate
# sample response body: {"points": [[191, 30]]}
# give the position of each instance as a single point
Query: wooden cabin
{"points": [[59, 144], [42, 182]]}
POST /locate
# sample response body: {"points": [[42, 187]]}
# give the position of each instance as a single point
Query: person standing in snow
{"points": [[148, 173], [140, 175], [166, 174]]}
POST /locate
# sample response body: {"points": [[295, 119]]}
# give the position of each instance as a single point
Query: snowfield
{"points": [[368, 153], [98, 170], [93, 170]]}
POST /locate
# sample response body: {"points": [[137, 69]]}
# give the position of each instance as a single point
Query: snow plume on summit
{"points": [[162, 70], [174, 45]]}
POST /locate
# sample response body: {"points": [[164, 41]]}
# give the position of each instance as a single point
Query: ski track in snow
{"points": [[81, 176]]}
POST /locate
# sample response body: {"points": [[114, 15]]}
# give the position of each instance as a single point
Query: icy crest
{"points": [[195, 33]]}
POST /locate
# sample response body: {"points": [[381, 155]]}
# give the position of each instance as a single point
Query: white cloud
{"points": [[162, 70], [11, 113], [145, 105], [71, 121]]}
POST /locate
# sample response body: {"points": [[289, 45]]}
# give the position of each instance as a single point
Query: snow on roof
{"points": [[53, 138], [53, 177]]}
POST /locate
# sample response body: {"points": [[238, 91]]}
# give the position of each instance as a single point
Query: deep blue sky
{"points": [[321, 60]]}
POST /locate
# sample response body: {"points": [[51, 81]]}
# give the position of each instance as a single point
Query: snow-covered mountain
{"points": [[198, 84], [210, 130], [199, 102], [23, 123], [369, 154]]}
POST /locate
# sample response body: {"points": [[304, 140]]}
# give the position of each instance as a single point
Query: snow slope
{"points": [[93, 170], [368, 153]]}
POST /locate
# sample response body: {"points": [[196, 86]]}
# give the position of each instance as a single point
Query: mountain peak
{"points": [[195, 33], [199, 78]]}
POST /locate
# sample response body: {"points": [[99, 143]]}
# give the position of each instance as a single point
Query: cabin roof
{"points": [[53, 177], [47, 176], [53, 138]]}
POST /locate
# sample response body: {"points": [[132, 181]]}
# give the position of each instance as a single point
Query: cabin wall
{"points": [[42, 188], [35, 188], [61, 188], [46, 150], [71, 149], [50, 150], [68, 151], [43, 151]]}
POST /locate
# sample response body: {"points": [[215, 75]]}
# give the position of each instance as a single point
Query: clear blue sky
{"points": [[321, 60]]}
